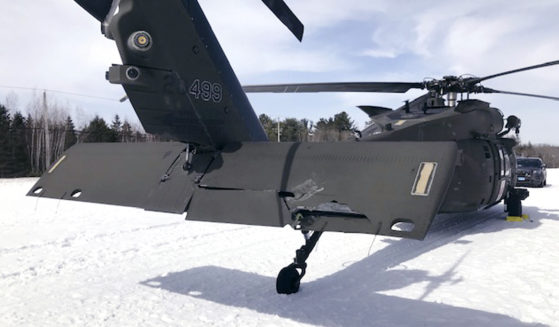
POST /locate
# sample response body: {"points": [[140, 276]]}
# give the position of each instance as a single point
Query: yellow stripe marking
{"points": [[56, 164], [399, 123], [424, 178]]}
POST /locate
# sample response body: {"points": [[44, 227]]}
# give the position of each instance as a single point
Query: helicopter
{"points": [[435, 154]]}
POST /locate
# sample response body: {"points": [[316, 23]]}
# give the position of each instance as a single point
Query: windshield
{"points": [[529, 163]]}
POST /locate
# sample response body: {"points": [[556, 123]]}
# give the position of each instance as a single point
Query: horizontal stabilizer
{"points": [[387, 188], [139, 175], [372, 111]]}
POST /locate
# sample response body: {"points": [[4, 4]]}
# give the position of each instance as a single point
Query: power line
{"points": [[59, 91]]}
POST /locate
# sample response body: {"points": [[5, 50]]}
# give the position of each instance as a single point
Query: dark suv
{"points": [[530, 172]]}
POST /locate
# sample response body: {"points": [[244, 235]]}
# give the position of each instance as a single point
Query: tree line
{"points": [[337, 128], [548, 153], [30, 144]]}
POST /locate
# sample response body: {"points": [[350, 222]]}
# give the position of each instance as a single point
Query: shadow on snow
{"points": [[350, 296]]}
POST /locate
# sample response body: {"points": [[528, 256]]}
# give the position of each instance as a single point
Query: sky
{"points": [[55, 45]]}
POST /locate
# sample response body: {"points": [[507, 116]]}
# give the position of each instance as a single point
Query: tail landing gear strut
{"points": [[289, 278]]}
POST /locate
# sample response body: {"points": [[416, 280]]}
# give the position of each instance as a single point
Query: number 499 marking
{"points": [[206, 90]]}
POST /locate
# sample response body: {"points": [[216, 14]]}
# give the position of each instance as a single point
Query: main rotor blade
{"points": [[97, 8], [551, 63], [385, 87], [286, 16], [488, 90]]}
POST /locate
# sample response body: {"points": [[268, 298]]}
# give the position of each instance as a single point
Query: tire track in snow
{"points": [[76, 256], [65, 242]]}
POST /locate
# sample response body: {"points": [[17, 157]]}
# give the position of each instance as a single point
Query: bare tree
{"points": [[12, 101], [47, 130]]}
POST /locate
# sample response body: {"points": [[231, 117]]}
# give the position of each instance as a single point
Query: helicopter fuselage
{"points": [[485, 168]]}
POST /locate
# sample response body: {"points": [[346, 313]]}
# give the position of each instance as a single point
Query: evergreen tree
{"points": [[5, 119], [291, 130], [126, 132], [325, 124], [70, 137], [270, 126], [116, 125], [342, 122], [21, 164], [5, 153], [98, 131], [338, 128]]}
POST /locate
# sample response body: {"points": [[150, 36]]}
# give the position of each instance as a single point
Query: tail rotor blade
{"points": [[286, 16], [97, 8]]}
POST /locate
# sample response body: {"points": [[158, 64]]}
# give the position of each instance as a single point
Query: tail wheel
{"points": [[288, 280]]}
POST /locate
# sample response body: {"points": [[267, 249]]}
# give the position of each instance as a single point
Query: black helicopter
{"points": [[430, 156]]}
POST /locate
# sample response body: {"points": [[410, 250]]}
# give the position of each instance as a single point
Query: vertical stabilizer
{"points": [[176, 75]]}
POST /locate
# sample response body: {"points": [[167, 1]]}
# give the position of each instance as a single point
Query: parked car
{"points": [[530, 172]]}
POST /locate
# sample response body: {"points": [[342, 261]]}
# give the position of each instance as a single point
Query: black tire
{"points": [[288, 281]]}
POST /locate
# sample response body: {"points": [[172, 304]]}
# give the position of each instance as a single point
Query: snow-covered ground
{"points": [[75, 264]]}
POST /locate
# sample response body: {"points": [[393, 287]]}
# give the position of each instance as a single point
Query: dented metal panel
{"points": [[375, 179]]}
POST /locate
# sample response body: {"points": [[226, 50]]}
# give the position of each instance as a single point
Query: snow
{"points": [[65, 263]]}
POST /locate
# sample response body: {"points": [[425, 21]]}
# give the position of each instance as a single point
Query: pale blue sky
{"points": [[54, 44]]}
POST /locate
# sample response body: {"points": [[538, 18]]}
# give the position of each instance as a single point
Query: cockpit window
{"points": [[529, 163]]}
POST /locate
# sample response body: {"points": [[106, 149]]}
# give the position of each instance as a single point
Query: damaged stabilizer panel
{"points": [[391, 183], [389, 188]]}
